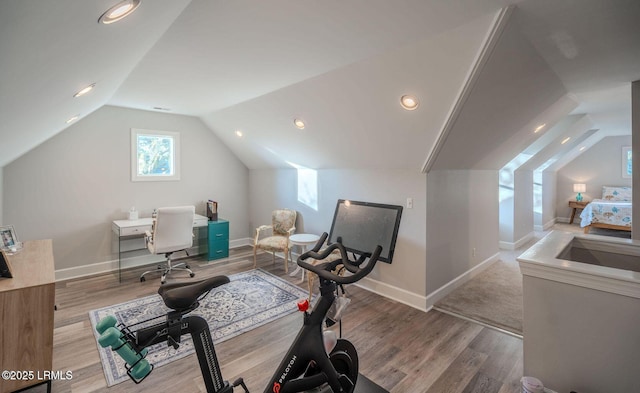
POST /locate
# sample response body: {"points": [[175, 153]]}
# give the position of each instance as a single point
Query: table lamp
{"points": [[579, 188]]}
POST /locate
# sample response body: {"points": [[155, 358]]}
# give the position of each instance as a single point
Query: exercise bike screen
{"points": [[362, 226]]}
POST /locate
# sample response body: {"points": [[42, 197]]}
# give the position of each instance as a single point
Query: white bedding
{"points": [[606, 212]]}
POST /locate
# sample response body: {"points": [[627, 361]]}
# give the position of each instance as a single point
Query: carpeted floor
{"points": [[493, 297]]}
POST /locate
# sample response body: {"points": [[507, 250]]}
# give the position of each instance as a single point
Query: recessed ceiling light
{"points": [[565, 140], [85, 90], [239, 133], [298, 123], [582, 148], [538, 128], [73, 118], [119, 11], [409, 102]]}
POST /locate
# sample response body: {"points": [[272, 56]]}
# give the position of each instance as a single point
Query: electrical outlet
{"points": [[409, 203], [473, 252]]}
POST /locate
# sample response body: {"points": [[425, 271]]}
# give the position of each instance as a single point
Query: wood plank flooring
{"points": [[400, 348]]}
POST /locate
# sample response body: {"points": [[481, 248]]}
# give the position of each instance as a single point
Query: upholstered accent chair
{"points": [[283, 225]]}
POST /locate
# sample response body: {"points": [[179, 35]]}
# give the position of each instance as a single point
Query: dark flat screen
{"points": [[5, 270], [364, 225]]}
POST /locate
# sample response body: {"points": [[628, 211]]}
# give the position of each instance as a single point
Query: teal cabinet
{"points": [[218, 239]]}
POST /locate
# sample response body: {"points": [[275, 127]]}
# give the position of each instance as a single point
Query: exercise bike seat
{"points": [[181, 296]]}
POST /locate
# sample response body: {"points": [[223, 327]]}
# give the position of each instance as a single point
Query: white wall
{"points": [[601, 165], [462, 214], [404, 278], [72, 186]]}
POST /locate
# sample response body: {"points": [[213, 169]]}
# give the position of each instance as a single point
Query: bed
{"points": [[613, 211]]}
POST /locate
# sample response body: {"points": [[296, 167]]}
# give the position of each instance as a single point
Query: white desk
{"points": [[125, 230], [303, 240]]}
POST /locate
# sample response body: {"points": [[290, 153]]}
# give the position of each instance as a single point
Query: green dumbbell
{"points": [[111, 321], [111, 336], [105, 323]]}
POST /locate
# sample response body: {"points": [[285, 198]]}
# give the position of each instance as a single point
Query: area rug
{"points": [[251, 299], [493, 297]]}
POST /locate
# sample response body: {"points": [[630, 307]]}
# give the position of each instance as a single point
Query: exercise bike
{"points": [[307, 365]]}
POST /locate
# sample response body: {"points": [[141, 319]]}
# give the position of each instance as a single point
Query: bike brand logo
{"points": [[276, 385]]}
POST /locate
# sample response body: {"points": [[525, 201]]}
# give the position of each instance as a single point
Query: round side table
{"points": [[303, 240]]}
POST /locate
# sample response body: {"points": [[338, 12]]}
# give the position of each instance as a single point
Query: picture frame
{"points": [[8, 238]]}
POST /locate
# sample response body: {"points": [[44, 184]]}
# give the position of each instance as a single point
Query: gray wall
{"points": [[462, 214], [635, 132], [271, 189], [1, 193], [549, 198], [601, 165], [523, 205], [72, 186], [516, 207], [580, 339]]}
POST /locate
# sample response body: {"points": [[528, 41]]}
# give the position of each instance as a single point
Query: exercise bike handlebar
{"points": [[324, 270]]}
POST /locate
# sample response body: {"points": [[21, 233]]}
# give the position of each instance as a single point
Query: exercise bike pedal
{"points": [[240, 382]]}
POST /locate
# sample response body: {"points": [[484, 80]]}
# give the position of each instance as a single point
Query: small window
{"points": [[155, 155], [627, 169]]}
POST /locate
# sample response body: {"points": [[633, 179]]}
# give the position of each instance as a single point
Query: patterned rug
{"points": [[251, 299]]}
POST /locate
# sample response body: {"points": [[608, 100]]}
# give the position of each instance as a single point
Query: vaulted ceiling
{"points": [[341, 66]]}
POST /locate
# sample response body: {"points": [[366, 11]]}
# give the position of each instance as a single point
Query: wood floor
{"points": [[400, 348]]}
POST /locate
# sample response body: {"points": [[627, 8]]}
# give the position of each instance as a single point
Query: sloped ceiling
{"points": [[514, 86], [546, 52], [52, 49], [352, 115], [341, 66], [565, 136]]}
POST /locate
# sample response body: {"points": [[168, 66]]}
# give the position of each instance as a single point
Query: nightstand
{"points": [[576, 205]]}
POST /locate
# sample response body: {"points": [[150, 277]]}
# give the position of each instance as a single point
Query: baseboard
{"points": [[549, 224], [521, 242], [394, 293], [247, 241], [389, 291], [545, 227], [86, 270], [564, 220], [446, 289], [112, 265]]}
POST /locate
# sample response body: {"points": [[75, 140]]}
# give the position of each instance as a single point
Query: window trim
{"points": [[135, 132]]}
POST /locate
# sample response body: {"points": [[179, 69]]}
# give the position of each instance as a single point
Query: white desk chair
{"points": [[172, 231]]}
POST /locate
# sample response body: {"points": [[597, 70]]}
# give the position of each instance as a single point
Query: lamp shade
{"points": [[579, 187]]}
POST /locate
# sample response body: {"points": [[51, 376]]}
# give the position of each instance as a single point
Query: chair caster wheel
{"points": [[192, 274], [142, 279], [187, 266]]}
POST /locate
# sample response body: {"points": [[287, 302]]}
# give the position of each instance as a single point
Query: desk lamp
{"points": [[579, 188]]}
